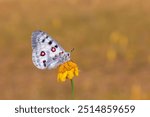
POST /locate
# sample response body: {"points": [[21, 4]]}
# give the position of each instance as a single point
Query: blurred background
{"points": [[111, 40]]}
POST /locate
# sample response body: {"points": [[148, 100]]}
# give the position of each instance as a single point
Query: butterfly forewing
{"points": [[46, 51]]}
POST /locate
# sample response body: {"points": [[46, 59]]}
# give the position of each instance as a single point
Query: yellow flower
{"points": [[67, 70]]}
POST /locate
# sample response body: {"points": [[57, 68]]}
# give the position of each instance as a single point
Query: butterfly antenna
{"points": [[72, 50]]}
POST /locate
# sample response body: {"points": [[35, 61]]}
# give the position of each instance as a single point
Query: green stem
{"points": [[72, 88]]}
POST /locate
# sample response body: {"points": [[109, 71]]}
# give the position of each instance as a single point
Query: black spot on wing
{"points": [[50, 42], [46, 36], [56, 46], [43, 40], [44, 63]]}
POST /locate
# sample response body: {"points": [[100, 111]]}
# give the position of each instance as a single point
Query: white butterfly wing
{"points": [[46, 51]]}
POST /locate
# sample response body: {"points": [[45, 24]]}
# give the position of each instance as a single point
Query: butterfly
{"points": [[46, 52]]}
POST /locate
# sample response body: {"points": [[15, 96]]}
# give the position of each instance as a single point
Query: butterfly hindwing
{"points": [[47, 53]]}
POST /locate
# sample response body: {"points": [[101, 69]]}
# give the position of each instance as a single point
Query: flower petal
{"points": [[70, 74], [59, 76], [76, 71], [64, 75]]}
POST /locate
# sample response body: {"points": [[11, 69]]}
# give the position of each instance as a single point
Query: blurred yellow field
{"points": [[111, 41]]}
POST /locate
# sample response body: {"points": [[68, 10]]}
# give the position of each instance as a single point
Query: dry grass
{"points": [[111, 41]]}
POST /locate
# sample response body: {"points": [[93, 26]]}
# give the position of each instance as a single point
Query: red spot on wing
{"points": [[61, 53], [42, 53], [53, 49]]}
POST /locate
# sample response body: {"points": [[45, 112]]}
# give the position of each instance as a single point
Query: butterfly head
{"points": [[66, 57]]}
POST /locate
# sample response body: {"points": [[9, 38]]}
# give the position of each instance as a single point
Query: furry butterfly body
{"points": [[47, 53]]}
